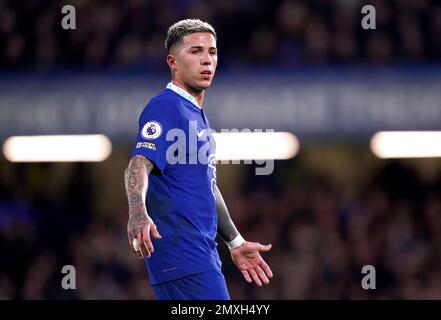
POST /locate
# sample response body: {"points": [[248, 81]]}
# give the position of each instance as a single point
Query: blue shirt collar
{"points": [[183, 93]]}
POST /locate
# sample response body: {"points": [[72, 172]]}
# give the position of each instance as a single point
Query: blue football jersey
{"points": [[175, 135]]}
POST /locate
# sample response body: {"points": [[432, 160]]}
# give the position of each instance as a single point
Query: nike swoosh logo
{"points": [[200, 133]]}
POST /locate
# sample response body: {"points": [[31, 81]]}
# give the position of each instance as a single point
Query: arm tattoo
{"points": [[136, 183], [225, 226]]}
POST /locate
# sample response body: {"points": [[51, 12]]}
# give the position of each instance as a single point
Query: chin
{"points": [[204, 85], [200, 85]]}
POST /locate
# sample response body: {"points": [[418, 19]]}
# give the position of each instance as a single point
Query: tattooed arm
{"points": [[244, 254], [140, 225]]}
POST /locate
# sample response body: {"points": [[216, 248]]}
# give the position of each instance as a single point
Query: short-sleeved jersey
{"points": [[174, 134]]}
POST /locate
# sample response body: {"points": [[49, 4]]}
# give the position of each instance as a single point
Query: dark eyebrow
{"points": [[201, 47]]}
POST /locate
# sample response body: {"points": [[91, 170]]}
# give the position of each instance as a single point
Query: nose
{"points": [[206, 59]]}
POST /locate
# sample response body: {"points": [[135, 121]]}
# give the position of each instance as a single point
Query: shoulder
{"points": [[164, 103]]}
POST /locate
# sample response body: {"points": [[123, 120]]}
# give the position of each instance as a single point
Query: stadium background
{"points": [[301, 66]]}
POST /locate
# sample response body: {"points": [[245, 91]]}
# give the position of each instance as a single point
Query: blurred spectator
{"points": [[323, 230], [285, 33], [322, 236]]}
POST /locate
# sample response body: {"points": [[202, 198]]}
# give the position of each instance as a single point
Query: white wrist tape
{"points": [[235, 242]]}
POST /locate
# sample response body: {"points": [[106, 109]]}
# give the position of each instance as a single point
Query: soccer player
{"points": [[175, 206]]}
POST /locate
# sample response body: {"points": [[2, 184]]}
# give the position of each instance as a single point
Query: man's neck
{"points": [[199, 95]]}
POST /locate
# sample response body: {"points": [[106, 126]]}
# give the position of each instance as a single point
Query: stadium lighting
{"points": [[255, 145], [407, 144], [57, 148]]}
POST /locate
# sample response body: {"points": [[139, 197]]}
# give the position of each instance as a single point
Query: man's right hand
{"points": [[139, 227]]}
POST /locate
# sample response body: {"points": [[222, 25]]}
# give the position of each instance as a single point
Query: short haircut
{"points": [[184, 27]]}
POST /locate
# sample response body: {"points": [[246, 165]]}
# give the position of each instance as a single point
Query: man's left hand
{"points": [[247, 258]]}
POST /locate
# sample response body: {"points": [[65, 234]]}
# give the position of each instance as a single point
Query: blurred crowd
{"points": [[322, 236], [283, 33]]}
